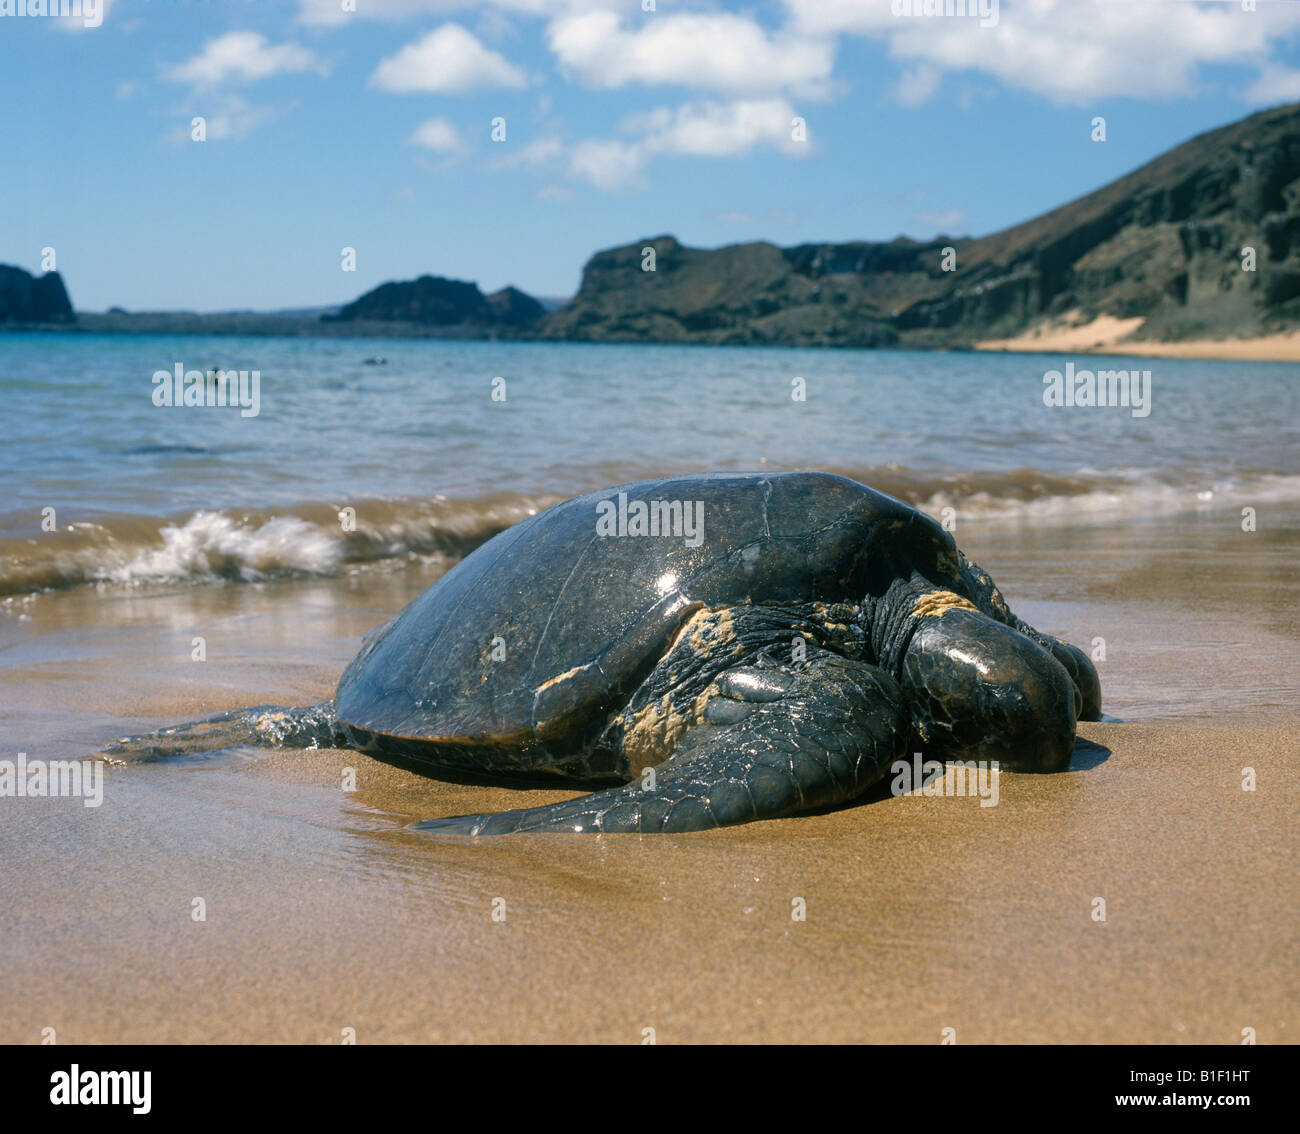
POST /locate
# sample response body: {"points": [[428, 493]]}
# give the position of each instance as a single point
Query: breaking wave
{"points": [[264, 545], [253, 546]]}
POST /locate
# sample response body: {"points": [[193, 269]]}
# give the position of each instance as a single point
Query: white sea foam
{"points": [[213, 545], [237, 546]]}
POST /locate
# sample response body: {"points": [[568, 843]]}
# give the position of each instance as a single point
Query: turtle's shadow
{"points": [[1088, 754], [500, 778]]}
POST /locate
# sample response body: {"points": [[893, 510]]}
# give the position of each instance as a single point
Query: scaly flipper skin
{"points": [[267, 726], [773, 740]]}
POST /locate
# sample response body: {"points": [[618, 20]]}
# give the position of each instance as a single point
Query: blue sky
{"points": [[372, 130]]}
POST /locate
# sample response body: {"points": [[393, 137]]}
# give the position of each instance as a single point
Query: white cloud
{"points": [[1071, 51], [447, 60], [917, 85], [237, 119], [716, 51], [698, 129], [494, 25], [539, 152], [609, 164], [330, 13], [713, 129], [830, 17], [228, 120], [245, 56], [1275, 84], [92, 15], [439, 135]]}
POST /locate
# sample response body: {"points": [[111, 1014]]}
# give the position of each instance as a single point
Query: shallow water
{"points": [[177, 523], [432, 465], [323, 911]]}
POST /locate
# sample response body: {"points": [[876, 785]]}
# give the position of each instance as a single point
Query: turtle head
{"points": [[981, 690], [975, 583]]}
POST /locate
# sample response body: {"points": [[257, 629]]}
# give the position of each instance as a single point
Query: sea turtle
{"points": [[724, 647]]}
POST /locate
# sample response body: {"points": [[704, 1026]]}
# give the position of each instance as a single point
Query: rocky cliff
{"points": [[1165, 243], [25, 298]]}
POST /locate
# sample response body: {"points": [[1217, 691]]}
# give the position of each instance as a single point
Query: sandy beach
{"points": [[1107, 334], [323, 912], [595, 386]]}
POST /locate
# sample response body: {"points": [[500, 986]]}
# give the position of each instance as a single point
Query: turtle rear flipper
{"points": [[774, 740], [266, 726]]}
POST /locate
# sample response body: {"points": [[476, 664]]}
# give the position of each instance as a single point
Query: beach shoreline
{"points": [[920, 914], [322, 910], [1107, 335]]}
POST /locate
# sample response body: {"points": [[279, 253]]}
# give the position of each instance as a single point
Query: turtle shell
{"points": [[556, 619]]}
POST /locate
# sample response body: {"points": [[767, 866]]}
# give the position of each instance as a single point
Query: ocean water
{"points": [[433, 464], [174, 525]]}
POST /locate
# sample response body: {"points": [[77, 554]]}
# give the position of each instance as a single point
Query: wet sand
{"points": [[324, 912]]}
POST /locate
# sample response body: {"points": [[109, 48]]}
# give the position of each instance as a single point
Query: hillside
{"points": [[1163, 244], [438, 302]]}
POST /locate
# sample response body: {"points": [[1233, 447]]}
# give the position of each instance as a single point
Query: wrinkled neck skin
{"points": [[891, 620]]}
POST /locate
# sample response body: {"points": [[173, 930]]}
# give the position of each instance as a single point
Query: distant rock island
{"points": [[434, 301], [1161, 247], [1201, 244], [428, 307], [33, 300]]}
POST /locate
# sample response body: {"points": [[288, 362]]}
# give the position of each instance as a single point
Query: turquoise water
{"points": [[424, 453]]}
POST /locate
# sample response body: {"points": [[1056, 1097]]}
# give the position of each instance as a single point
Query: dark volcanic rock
{"points": [[1164, 243], [25, 298], [513, 308], [429, 299], [434, 301], [744, 293]]}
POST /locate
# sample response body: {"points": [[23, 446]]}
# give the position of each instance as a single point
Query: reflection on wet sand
{"points": [[323, 911]]}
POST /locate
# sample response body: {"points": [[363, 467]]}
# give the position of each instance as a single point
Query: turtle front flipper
{"points": [[267, 726], [770, 740]]}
